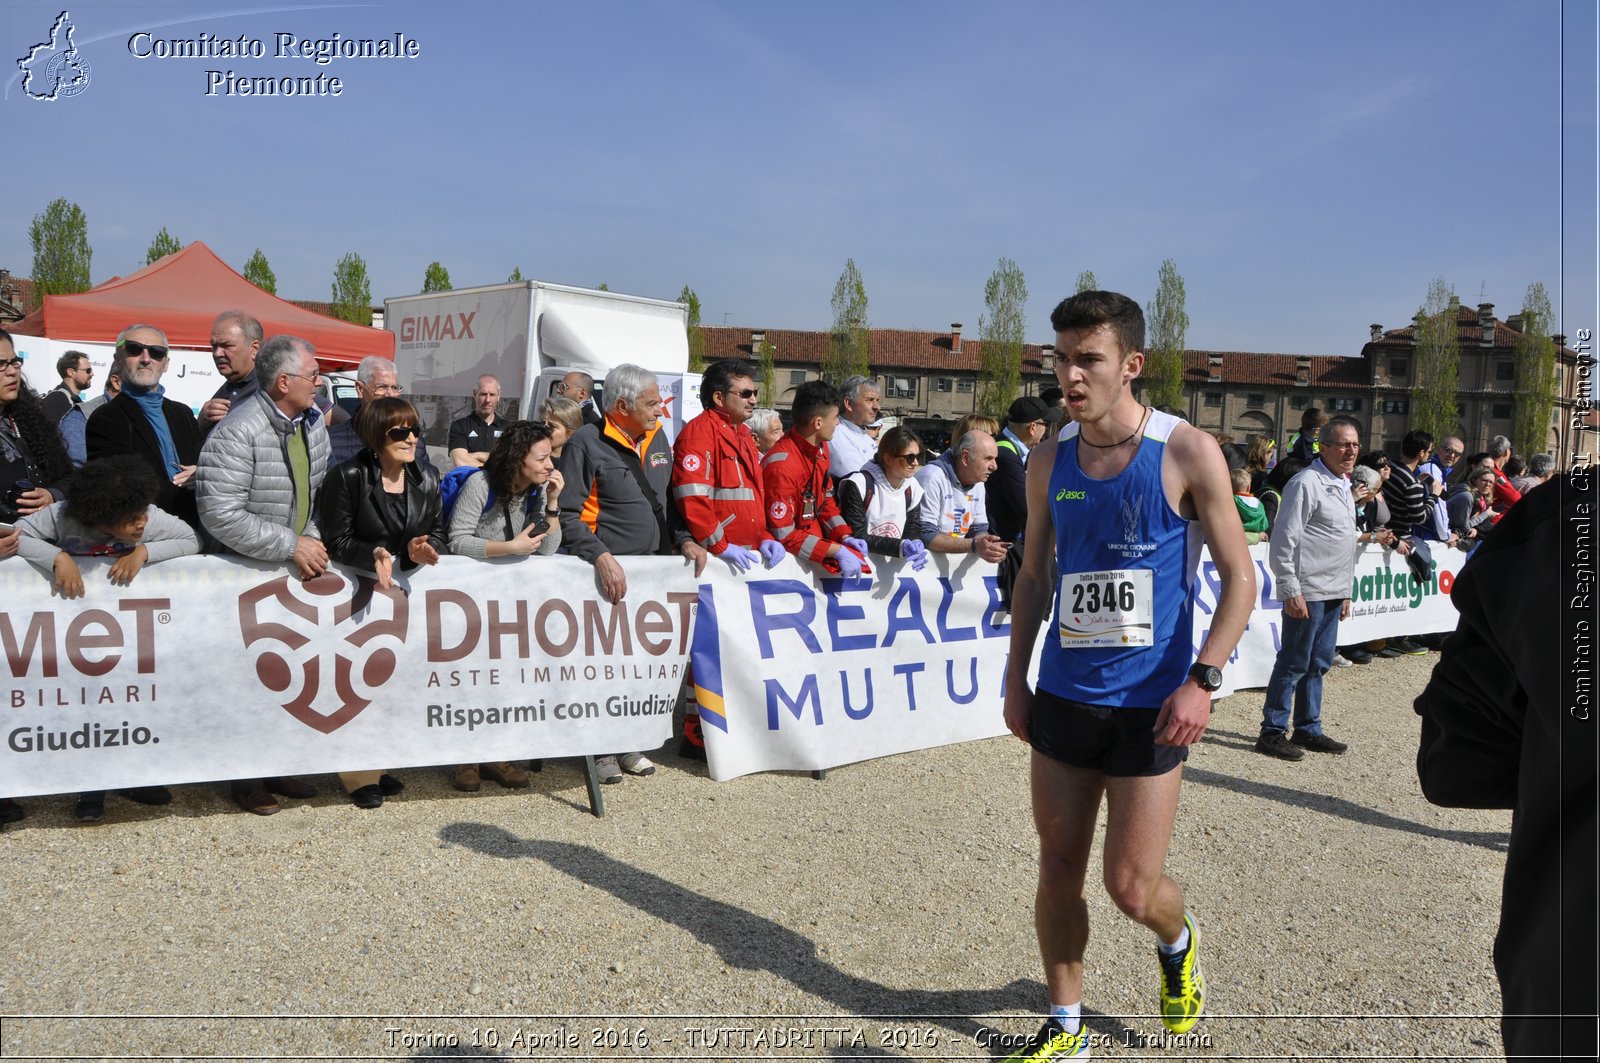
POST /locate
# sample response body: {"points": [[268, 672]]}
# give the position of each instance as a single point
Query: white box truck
{"points": [[530, 334]]}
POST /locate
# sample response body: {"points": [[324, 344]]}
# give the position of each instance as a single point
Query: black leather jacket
{"points": [[351, 512]]}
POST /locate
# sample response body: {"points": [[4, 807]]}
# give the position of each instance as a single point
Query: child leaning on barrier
{"points": [[1251, 512], [110, 511]]}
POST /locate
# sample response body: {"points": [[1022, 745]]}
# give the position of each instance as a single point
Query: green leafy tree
{"points": [[697, 335], [257, 272], [767, 363], [60, 238], [1086, 282], [847, 353], [1164, 346], [1001, 328], [1536, 374], [602, 287], [163, 245], [436, 278], [516, 275], [352, 291], [1438, 344]]}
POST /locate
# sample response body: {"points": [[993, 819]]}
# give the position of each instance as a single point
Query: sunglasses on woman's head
{"points": [[402, 432]]}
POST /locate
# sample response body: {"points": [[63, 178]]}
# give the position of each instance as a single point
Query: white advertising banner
{"points": [[800, 672], [796, 671], [220, 668]]}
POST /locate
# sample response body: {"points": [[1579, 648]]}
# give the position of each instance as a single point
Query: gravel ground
{"points": [[882, 912]]}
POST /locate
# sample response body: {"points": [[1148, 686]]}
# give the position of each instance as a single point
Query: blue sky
{"points": [[1310, 167]]}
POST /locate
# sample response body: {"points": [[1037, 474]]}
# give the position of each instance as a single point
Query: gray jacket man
{"points": [[261, 468]]}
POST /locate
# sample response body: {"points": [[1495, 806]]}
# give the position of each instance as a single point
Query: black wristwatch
{"points": [[1209, 676]]}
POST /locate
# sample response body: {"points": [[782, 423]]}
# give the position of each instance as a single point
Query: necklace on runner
{"points": [[1118, 443]]}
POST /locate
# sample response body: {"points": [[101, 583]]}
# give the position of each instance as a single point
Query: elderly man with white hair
{"points": [[615, 502], [767, 426], [375, 379]]}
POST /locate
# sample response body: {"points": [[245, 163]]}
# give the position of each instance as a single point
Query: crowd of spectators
{"points": [[262, 473]]}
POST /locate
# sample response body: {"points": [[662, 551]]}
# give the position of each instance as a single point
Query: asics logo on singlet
{"points": [[1064, 495]]}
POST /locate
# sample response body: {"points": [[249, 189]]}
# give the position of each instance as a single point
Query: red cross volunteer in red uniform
{"points": [[801, 511]]}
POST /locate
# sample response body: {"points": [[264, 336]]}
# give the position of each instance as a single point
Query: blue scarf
{"points": [[149, 400]]}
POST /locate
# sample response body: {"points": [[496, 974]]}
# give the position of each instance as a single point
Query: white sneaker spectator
{"points": [[636, 764]]}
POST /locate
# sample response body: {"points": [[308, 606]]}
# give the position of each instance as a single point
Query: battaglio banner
{"points": [[799, 672], [219, 668]]}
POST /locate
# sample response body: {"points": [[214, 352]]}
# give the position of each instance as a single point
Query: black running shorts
{"points": [[1118, 742]]}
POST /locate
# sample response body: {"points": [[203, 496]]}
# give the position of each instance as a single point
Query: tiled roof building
{"points": [[929, 379], [16, 297]]}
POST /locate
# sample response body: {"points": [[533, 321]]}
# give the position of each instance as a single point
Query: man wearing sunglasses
{"points": [[76, 373], [142, 422], [579, 387], [1444, 459], [717, 489]]}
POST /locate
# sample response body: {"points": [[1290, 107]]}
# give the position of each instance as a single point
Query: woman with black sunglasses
{"points": [[376, 508], [882, 503]]}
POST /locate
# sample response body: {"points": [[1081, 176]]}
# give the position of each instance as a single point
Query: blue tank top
{"points": [[1124, 618]]}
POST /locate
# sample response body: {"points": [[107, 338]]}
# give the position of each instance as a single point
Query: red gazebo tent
{"points": [[182, 294]]}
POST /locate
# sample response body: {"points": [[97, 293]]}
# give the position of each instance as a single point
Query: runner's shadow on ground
{"points": [[1229, 739], [1338, 806], [747, 941]]}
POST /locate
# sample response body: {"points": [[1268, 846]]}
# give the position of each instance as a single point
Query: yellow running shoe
{"points": [[1053, 1042], [1183, 988]]}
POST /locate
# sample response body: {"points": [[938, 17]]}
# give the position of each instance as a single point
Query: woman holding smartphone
{"points": [[512, 508], [377, 508]]}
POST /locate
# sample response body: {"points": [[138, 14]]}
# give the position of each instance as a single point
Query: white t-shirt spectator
{"points": [[849, 450], [947, 505]]}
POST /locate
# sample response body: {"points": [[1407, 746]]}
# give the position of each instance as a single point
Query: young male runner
{"points": [[1118, 498]]}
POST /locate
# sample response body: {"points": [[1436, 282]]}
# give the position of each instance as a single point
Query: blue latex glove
{"points": [[913, 551], [772, 550], [740, 557], [858, 545], [849, 564]]}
